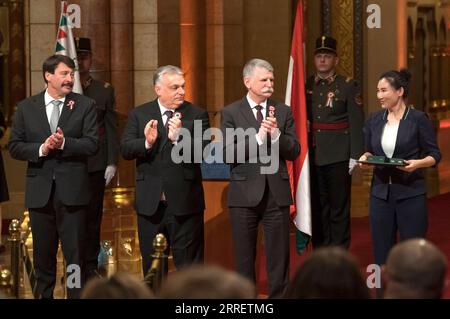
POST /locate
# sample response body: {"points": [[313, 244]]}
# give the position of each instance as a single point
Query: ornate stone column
{"points": [[121, 50], [16, 70], [125, 224], [168, 20], [95, 24], [268, 38], [193, 53], [435, 102], [342, 29], [342, 19], [444, 64]]}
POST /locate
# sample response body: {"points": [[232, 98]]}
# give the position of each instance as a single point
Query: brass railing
{"points": [[5, 283], [20, 239], [19, 233], [158, 269], [15, 240]]}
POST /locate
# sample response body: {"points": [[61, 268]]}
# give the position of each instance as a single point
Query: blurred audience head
{"points": [[415, 268], [118, 286], [328, 273], [207, 282]]}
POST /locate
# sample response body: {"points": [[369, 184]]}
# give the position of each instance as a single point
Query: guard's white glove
{"points": [[110, 171], [351, 165]]}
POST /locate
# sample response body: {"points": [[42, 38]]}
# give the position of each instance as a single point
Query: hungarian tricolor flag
{"points": [[65, 44], [299, 169]]}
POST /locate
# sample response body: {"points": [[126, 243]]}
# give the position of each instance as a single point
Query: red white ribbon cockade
{"points": [[271, 111], [177, 115], [330, 97], [70, 104]]}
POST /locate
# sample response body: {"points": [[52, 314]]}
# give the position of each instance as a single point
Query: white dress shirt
{"points": [[276, 135], [164, 117], [389, 138], [48, 110]]}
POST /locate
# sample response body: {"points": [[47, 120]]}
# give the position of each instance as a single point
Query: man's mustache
{"points": [[68, 84], [268, 90]]}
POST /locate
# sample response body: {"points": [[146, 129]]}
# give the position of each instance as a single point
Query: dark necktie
{"points": [[259, 115], [169, 115]]}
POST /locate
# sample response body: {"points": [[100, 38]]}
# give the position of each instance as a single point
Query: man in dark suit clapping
{"points": [[257, 193], [169, 194], [56, 131]]}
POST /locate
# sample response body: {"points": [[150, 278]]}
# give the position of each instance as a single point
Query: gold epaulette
{"points": [[107, 85], [348, 79]]}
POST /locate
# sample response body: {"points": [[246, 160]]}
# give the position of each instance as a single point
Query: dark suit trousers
{"points": [[330, 194], [409, 216], [49, 224], [275, 223], [184, 234], [94, 220]]}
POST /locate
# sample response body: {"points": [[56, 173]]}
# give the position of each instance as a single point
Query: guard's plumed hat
{"points": [[83, 44], [326, 43]]}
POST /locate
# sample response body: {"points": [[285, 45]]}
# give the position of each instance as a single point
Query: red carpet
{"points": [[361, 245]]}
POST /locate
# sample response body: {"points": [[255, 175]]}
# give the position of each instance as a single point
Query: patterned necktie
{"points": [[259, 116], [54, 118], [169, 115]]}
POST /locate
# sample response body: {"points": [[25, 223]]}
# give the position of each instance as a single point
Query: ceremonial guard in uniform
{"points": [[103, 165], [336, 119]]}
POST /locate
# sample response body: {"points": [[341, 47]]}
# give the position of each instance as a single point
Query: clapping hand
{"points": [[151, 131], [53, 142], [58, 138], [269, 125], [174, 128]]}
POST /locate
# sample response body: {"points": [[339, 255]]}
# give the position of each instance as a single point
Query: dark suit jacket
{"points": [[155, 170], [68, 166], [108, 145], [247, 183], [415, 140]]}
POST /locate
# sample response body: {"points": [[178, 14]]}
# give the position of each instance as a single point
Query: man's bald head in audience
{"points": [[415, 268]]}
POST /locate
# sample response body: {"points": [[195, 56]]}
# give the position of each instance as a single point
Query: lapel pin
{"points": [[271, 111], [330, 97], [178, 115], [70, 104]]}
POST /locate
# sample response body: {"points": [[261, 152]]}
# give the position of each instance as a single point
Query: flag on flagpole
{"points": [[65, 44], [299, 169]]}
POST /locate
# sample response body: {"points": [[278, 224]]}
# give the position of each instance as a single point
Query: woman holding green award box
{"points": [[398, 193]]}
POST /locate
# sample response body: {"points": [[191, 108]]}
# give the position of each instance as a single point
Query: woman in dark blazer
{"points": [[398, 194]]}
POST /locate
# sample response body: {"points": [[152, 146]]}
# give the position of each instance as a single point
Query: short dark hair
{"points": [[328, 273], [118, 286], [51, 63], [207, 282], [398, 79]]}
